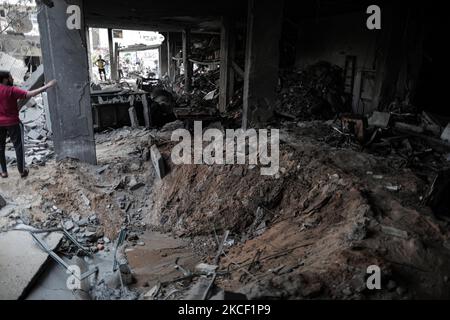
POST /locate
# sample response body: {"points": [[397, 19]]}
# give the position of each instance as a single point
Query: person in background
{"points": [[100, 63], [120, 70], [10, 124]]}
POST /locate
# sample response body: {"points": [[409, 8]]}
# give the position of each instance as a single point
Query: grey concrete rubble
{"points": [[446, 133], [158, 162], [2, 202], [379, 119], [342, 114], [38, 143], [19, 270]]}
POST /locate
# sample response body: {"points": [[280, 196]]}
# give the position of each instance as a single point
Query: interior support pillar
{"points": [[225, 64], [261, 61], [65, 59], [112, 61], [187, 65], [163, 57]]}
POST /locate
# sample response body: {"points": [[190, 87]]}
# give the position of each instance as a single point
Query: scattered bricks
{"points": [[158, 162]]}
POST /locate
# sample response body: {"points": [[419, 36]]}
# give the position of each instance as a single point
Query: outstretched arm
{"points": [[35, 92]]}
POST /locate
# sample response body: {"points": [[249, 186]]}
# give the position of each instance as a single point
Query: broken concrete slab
{"points": [[30, 115], [197, 291], [206, 269], [21, 261], [158, 162], [408, 127], [69, 225], [2, 202], [430, 123], [33, 134], [446, 133], [210, 95], [15, 66], [394, 232], [35, 81], [379, 119]]}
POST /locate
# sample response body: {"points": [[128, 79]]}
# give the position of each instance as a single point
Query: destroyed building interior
{"points": [[363, 177]]}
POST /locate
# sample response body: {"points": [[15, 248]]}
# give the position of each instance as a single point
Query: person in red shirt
{"points": [[9, 120]]}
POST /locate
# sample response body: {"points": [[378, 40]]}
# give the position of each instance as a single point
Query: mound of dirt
{"points": [[312, 230]]}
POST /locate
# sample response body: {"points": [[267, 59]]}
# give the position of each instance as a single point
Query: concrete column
{"points": [[224, 64], [116, 60], [171, 42], [112, 61], [261, 61], [89, 49], [187, 65], [163, 54], [65, 59]]}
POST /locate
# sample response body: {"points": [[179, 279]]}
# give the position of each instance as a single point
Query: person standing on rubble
{"points": [[100, 63], [9, 120]]}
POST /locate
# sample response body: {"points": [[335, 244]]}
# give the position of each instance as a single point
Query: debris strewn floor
{"points": [[309, 232]]}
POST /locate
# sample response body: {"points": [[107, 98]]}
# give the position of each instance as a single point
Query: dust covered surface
{"points": [[308, 232]]}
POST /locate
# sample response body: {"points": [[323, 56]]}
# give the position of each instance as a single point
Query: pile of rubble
{"points": [[316, 92], [37, 135], [204, 93]]}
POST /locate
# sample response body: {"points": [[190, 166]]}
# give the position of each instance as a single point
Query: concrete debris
{"points": [[393, 188], [2, 202], [158, 162], [85, 200], [34, 81], [15, 66], [430, 123], [69, 225], [134, 184], [34, 135], [315, 92], [210, 95], [152, 293], [438, 195], [206, 269], [21, 259], [228, 295], [197, 291], [408, 127], [446, 133], [379, 119], [394, 232]]}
